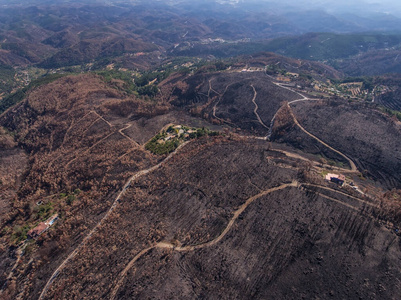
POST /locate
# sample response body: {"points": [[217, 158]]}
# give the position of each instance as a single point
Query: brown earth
{"points": [[71, 147], [224, 217], [13, 164], [226, 98], [190, 200]]}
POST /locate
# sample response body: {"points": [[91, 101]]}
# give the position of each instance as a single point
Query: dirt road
{"points": [[351, 163], [257, 107], [304, 98], [109, 212], [237, 213], [167, 245]]}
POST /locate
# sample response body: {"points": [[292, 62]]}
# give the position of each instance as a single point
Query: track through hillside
{"points": [[257, 107], [220, 96], [167, 245], [351, 163], [109, 212], [237, 213], [304, 98]]}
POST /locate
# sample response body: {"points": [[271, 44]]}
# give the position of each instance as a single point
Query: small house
{"points": [[37, 231], [42, 227], [339, 179]]}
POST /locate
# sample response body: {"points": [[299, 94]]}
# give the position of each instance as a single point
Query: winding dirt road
{"points": [[109, 212], [237, 213], [315, 164], [167, 245], [354, 169], [351, 163], [255, 111]]}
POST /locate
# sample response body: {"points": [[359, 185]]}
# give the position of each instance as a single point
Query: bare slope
{"points": [[185, 230], [229, 98], [368, 137], [222, 217]]}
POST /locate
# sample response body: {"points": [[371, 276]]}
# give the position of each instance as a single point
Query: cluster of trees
{"points": [[392, 113], [143, 85], [368, 82], [158, 144], [6, 78]]}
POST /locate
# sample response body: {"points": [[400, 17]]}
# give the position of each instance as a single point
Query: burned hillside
{"points": [[223, 215], [367, 136]]}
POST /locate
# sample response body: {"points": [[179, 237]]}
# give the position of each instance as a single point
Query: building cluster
{"points": [[42, 227]]}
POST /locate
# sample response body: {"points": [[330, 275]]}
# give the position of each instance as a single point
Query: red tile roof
{"points": [[38, 230]]}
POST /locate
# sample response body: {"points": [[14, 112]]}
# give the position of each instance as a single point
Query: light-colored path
{"points": [[166, 245], [351, 163], [109, 212], [341, 193], [314, 163], [255, 111], [304, 98], [121, 131], [238, 212]]}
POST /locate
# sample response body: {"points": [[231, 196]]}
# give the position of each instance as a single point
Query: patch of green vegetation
{"points": [[20, 233], [148, 90], [46, 79], [126, 77], [144, 85], [391, 113], [305, 76], [69, 198], [162, 148], [274, 69], [12, 99], [43, 211], [169, 140], [148, 77], [367, 82]]}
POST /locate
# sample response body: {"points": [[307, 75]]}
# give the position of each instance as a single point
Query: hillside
{"points": [[183, 204], [13, 163], [156, 150], [43, 35], [200, 212], [357, 54], [376, 151]]}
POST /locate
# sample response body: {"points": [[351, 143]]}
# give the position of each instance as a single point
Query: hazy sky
{"points": [[335, 6], [339, 6]]}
